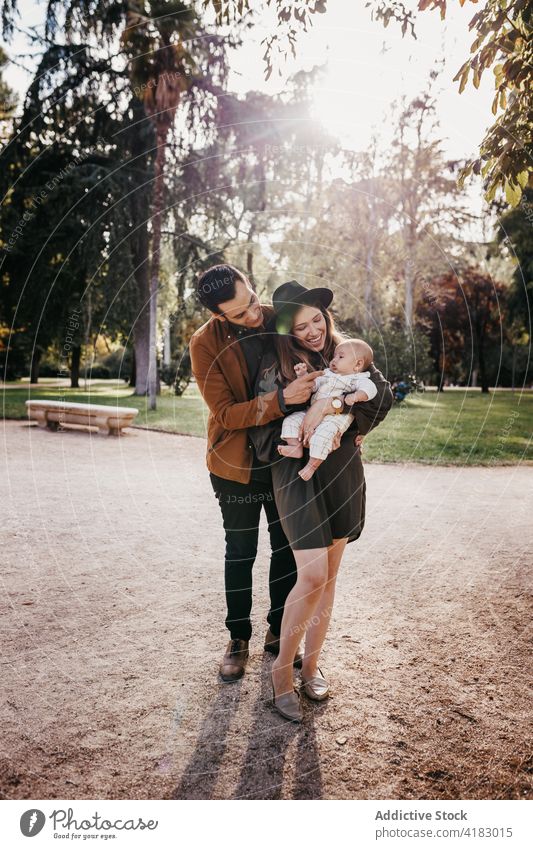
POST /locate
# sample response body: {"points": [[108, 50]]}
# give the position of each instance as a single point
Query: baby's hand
{"points": [[300, 369], [356, 397]]}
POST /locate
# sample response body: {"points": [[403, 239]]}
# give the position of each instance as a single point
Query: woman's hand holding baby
{"points": [[313, 417]]}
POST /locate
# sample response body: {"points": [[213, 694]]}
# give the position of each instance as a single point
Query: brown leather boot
{"points": [[234, 661], [272, 646]]}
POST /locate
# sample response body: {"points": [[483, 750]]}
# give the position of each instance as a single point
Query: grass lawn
{"points": [[179, 415], [457, 427]]}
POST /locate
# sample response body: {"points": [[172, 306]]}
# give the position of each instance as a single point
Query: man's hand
{"points": [[301, 389], [312, 419], [358, 442]]}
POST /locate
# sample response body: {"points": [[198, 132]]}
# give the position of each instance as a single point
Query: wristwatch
{"points": [[337, 405]]}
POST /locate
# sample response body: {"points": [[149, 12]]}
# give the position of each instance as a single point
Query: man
{"points": [[225, 355]]}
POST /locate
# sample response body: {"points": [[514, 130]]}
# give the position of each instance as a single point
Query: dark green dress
{"points": [[331, 505]]}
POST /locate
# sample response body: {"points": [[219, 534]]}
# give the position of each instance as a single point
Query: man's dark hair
{"points": [[217, 285]]}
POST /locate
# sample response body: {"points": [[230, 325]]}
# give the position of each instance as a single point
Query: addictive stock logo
{"points": [[31, 822]]}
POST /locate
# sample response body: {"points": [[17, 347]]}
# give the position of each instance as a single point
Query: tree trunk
{"points": [[141, 341], [441, 370], [88, 327], [250, 250], [141, 328], [409, 296], [132, 375], [75, 367], [140, 213], [369, 265], [167, 351], [35, 364], [483, 371], [156, 262]]}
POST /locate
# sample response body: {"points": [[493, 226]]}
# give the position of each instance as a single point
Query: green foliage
{"points": [[61, 259], [464, 312], [515, 235], [8, 98], [117, 364], [400, 354], [503, 43], [14, 354], [178, 374], [293, 17], [90, 241]]}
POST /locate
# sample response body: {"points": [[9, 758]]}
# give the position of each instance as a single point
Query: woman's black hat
{"points": [[289, 296]]}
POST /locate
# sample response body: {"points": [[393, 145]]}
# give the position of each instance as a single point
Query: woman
{"points": [[321, 515]]}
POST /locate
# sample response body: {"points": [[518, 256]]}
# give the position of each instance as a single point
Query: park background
{"points": [[142, 146], [361, 146]]}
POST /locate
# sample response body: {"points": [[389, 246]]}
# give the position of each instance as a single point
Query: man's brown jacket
{"points": [[220, 370]]}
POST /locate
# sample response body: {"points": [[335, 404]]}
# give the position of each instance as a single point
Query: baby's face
{"points": [[345, 360]]}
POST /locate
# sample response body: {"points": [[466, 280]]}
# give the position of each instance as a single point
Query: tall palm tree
{"points": [[161, 69]]}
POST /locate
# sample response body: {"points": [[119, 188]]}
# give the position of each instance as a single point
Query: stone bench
{"points": [[54, 414]]}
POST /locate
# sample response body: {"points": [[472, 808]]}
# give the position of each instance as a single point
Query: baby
{"points": [[346, 374]]}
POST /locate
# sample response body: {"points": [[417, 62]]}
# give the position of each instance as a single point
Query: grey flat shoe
{"points": [[288, 705], [316, 688]]}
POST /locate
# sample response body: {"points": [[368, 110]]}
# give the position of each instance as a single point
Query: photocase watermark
{"points": [[308, 149], [33, 820], [179, 313], [503, 437], [249, 498], [209, 286], [37, 200], [527, 206], [315, 620], [73, 324], [153, 82], [427, 289], [65, 819], [165, 763]]}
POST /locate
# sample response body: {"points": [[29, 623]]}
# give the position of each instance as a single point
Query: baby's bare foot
{"points": [[308, 471], [291, 450]]}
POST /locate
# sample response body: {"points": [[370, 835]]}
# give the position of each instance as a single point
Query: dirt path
{"points": [[112, 622]]}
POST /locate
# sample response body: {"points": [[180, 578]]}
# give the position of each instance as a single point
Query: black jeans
{"points": [[241, 506]]}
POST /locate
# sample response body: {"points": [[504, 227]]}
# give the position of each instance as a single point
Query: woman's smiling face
{"points": [[309, 327]]}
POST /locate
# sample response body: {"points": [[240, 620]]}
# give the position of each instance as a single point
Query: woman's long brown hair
{"points": [[290, 351]]}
